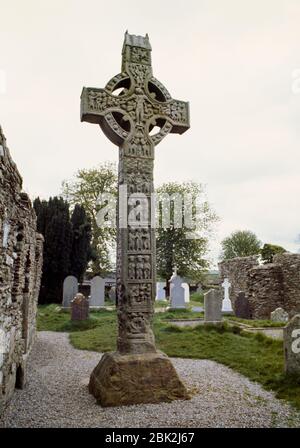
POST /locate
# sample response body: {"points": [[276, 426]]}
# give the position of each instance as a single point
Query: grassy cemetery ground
{"points": [[254, 355], [257, 323]]}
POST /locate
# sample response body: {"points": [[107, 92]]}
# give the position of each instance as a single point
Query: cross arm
{"points": [[95, 103], [177, 113], [100, 107]]}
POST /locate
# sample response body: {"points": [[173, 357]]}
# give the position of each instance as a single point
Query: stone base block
{"points": [[120, 380]]}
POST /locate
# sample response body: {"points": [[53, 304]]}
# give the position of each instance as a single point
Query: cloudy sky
{"points": [[235, 61]]}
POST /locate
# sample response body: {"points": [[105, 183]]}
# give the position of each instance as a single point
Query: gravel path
{"points": [[56, 396]]}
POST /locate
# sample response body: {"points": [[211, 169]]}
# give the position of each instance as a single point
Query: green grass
{"points": [[254, 355], [99, 339], [53, 318], [161, 304], [257, 323], [197, 297], [178, 314]]}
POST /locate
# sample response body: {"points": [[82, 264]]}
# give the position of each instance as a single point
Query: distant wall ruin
{"points": [[267, 286], [21, 249]]}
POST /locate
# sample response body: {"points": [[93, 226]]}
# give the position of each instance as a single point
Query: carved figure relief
{"points": [[139, 239], [139, 267], [131, 267], [139, 293], [140, 55], [137, 323]]}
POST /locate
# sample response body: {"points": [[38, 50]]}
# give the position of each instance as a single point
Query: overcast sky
{"points": [[235, 62]]}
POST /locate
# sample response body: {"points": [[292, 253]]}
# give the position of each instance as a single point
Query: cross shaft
{"points": [[127, 109]]}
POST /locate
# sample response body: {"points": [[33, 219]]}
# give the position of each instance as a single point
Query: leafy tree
{"points": [[53, 221], [176, 247], [269, 250], [241, 243], [85, 189], [81, 251]]}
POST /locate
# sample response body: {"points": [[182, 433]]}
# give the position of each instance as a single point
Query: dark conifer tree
{"points": [[81, 242], [53, 221]]}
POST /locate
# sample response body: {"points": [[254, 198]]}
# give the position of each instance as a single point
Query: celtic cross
{"points": [[128, 109]]}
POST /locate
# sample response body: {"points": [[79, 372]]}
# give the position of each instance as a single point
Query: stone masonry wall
{"points": [[265, 290], [21, 251], [290, 265], [267, 286]]}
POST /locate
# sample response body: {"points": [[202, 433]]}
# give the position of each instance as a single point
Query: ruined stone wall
{"points": [[290, 266], [265, 290], [268, 286], [20, 272]]}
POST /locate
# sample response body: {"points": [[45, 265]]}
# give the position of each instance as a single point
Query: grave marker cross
{"points": [[226, 285]]}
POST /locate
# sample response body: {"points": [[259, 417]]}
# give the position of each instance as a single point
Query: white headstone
{"points": [[160, 291], [70, 289], [97, 292], [226, 303], [177, 292], [186, 287], [279, 315]]}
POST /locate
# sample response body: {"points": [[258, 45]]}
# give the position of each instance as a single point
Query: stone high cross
{"points": [[127, 109]]}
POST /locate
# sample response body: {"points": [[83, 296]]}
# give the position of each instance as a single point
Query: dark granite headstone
{"points": [[79, 307], [242, 306]]}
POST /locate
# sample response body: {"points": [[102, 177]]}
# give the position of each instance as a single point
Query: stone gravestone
{"points": [[291, 338], [186, 287], [177, 292], [212, 306], [70, 289], [279, 315], [79, 307], [97, 292], [242, 306], [141, 373], [160, 291], [226, 303], [112, 294]]}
